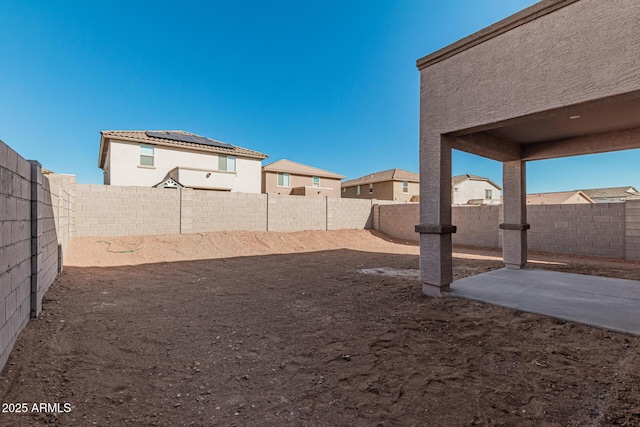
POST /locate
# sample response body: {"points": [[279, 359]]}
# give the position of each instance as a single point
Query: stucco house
{"points": [[174, 159], [575, 197], [474, 190], [287, 177], [392, 184], [611, 194]]}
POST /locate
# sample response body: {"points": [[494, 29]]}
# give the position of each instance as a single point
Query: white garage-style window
{"points": [[227, 163], [284, 180], [146, 155]]}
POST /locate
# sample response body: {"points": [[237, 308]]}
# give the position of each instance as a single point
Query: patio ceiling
{"points": [[599, 126]]}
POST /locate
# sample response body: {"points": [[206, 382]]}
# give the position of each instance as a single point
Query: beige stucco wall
{"points": [[124, 160], [473, 189], [329, 187]]}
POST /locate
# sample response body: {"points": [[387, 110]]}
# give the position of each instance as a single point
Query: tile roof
{"points": [[611, 192], [461, 178], [556, 198], [288, 166], [388, 175], [141, 136]]}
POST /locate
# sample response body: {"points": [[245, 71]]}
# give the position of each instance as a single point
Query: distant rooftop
{"points": [[388, 175], [558, 198], [288, 166], [611, 192]]}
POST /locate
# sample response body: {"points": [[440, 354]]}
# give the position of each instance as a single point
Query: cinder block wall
{"points": [[477, 226], [349, 213], [632, 229], [43, 231], [15, 247], [110, 210], [29, 252], [296, 213], [399, 220], [204, 211], [603, 229], [61, 204], [597, 229]]}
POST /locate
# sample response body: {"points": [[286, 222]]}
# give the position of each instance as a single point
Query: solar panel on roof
{"points": [[175, 136]]}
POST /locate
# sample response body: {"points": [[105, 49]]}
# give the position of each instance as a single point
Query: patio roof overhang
{"points": [[558, 79]]}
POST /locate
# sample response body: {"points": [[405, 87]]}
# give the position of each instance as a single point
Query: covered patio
{"points": [[560, 78]]}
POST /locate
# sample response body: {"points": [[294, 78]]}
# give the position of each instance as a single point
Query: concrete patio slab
{"points": [[612, 304]]}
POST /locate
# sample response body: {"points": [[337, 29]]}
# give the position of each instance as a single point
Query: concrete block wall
{"points": [[349, 214], [28, 244], [15, 247], [477, 226], [61, 203], [204, 211], [44, 239], [603, 229], [597, 229], [109, 210], [632, 229], [399, 220], [296, 213]]}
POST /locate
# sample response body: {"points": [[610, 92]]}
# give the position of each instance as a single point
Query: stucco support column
{"points": [[514, 228], [436, 270]]}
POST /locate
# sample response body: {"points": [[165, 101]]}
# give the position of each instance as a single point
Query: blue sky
{"points": [[332, 84]]}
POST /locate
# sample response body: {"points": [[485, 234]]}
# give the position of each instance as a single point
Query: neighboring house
{"points": [[176, 159], [612, 194], [287, 177], [559, 198], [474, 190], [392, 184]]}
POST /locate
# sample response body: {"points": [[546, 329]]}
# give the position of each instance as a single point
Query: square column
{"points": [[436, 268], [514, 228]]}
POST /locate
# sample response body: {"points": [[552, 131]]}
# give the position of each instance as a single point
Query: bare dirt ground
{"points": [[273, 329]]}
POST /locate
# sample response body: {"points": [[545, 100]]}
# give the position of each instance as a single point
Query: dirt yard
{"points": [[278, 329]]}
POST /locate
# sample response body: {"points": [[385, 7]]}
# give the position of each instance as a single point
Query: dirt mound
{"points": [[135, 250]]}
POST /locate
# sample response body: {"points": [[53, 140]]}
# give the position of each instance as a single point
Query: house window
{"points": [[316, 181], [284, 180], [405, 187], [227, 163], [358, 190], [488, 194], [344, 189], [146, 155], [370, 188]]}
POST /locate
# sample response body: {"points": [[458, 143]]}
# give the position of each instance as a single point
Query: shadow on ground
{"points": [[306, 339]]}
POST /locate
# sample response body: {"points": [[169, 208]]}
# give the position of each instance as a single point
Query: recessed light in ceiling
{"points": [[574, 117]]}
